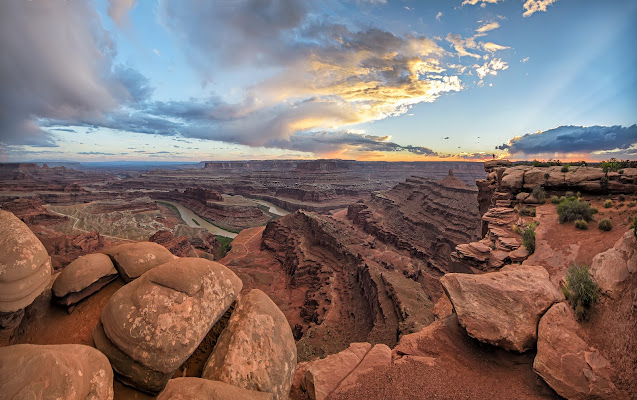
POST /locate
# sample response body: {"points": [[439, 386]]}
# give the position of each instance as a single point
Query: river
{"points": [[190, 217]]}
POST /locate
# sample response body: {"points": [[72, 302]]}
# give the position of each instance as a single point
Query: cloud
{"points": [[118, 9], [488, 27], [57, 62], [525, 59], [492, 47], [95, 153], [482, 2], [533, 6], [439, 15], [156, 52], [491, 67], [574, 139], [459, 45]]}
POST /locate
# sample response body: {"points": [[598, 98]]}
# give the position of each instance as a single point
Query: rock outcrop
{"points": [[502, 308], [25, 266], [613, 267], [152, 325], [202, 389], [178, 246], [82, 278], [567, 363], [340, 372], [134, 259], [65, 371], [256, 351]]}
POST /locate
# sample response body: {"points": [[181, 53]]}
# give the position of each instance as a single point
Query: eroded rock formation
{"points": [[134, 259], [65, 371], [152, 325]]}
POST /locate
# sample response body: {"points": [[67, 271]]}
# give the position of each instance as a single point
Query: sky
{"points": [[387, 80]]}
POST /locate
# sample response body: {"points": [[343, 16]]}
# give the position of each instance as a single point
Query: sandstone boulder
{"points": [[256, 351], [580, 175], [566, 362], [614, 266], [152, 325], [66, 371], [204, 389], [502, 308], [513, 178], [323, 376], [82, 278], [25, 265], [133, 259]]}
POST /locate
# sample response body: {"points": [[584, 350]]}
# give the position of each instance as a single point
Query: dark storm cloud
{"points": [[57, 63], [327, 142], [574, 139]]}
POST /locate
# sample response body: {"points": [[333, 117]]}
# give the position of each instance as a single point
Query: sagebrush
{"points": [[581, 291]]}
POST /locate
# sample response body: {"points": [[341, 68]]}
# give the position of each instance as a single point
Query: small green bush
{"points": [[632, 204], [528, 237], [579, 195], [574, 209], [605, 225], [622, 197], [527, 212], [565, 168], [608, 203], [555, 200], [581, 224], [581, 291], [539, 193], [569, 194]]}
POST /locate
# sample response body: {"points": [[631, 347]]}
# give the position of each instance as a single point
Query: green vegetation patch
{"points": [[226, 245], [581, 291], [528, 237], [581, 224], [605, 225], [572, 209]]}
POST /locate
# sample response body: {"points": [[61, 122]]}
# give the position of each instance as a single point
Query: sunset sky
{"points": [[361, 79]]}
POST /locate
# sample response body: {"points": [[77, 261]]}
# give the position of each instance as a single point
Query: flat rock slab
{"points": [[256, 351], [204, 389], [134, 259], [82, 273], [159, 319], [567, 363], [25, 265], [502, 308], [65, 371]]}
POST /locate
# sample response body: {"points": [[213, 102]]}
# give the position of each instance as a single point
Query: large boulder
{"points": [[338, 373], [614, 266], [152, 325], [204, 389], [256, 351], [134, 259], [502, 308], [25, 266], [513, 178], [83, 277], [64, 371], [566, 362]]}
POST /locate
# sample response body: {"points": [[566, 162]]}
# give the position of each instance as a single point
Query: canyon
{"points": [[374, 279]]}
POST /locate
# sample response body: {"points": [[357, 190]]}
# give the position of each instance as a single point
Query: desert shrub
{"points": [[581, 224], [634, 227], [547, 176], [528, 237], [579, 195], [565, 168], [569, 194], [574, 209], [581, 291], [611, 165], [632, 203], [608, 203], [527, 212], [605, 225], [555, 200], [539, 193], [622, 197]]}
